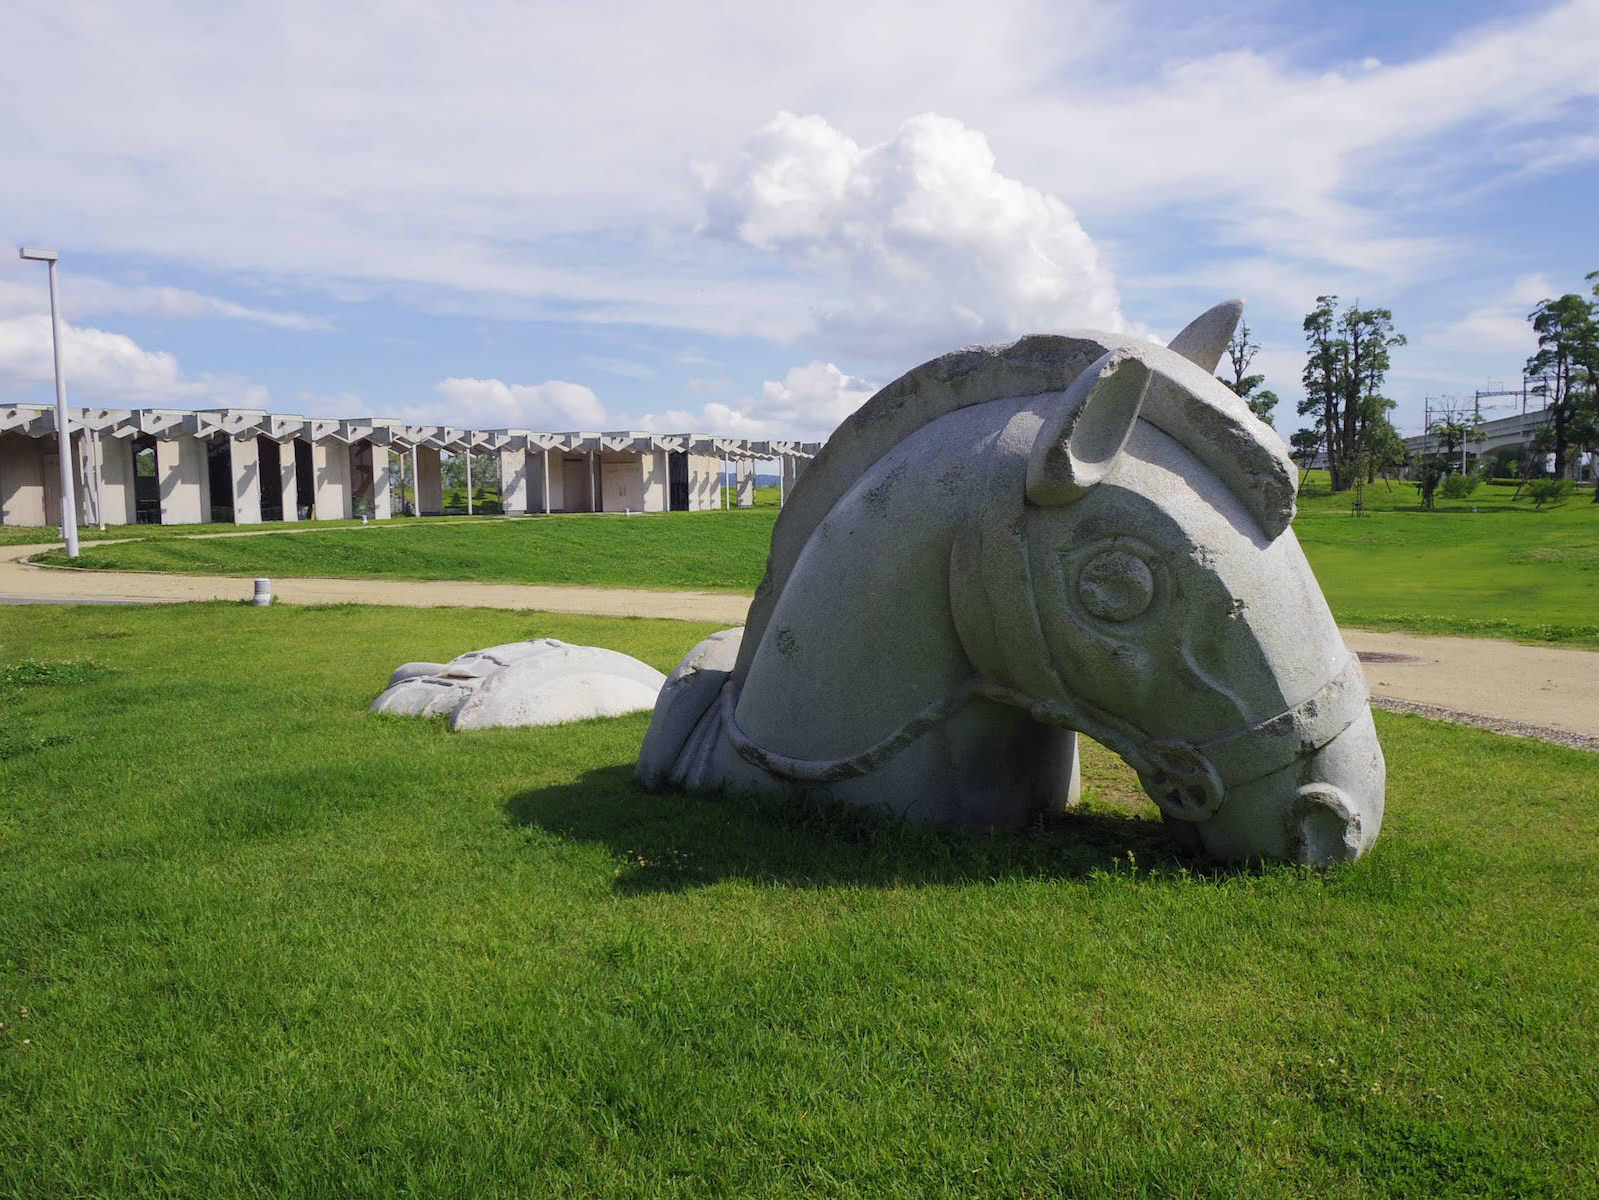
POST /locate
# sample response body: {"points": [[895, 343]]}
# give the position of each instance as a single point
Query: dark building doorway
{"points": [[304, 480], [677, 481], [146, 486], [363, 489], [219, 475], [271, 460]]}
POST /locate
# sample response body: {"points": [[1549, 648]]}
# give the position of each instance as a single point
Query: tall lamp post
{"points": [[69, 498]]}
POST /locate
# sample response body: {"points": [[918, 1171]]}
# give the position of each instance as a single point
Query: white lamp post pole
{"points": [[69, 497]]}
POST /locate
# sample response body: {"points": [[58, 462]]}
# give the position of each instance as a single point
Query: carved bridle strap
{"points": [[1187, 779]]}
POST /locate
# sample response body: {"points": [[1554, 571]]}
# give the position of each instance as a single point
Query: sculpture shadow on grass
{"points": [[675, 841]]}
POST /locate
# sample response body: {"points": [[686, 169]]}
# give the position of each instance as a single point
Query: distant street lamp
{"points": [[69, 498]]}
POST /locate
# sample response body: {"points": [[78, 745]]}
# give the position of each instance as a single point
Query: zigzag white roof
{"points": [[39, 420]]}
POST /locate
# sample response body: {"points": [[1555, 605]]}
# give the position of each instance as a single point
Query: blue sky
{"points": [[737, 220]]}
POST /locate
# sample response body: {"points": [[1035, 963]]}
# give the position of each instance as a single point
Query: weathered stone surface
{"points": [[425, 696], [539, 682], [1009, 545], [560, 683], [691, 688]]}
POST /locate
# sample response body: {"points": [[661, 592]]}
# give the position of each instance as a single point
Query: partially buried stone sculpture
{"points": [[1008, 545], [538, 682]]}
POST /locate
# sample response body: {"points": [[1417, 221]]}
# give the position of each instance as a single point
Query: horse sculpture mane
{"points": [[1009, 545]]}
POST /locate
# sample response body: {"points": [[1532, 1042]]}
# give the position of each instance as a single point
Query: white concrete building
{"points": [[177, 467]]}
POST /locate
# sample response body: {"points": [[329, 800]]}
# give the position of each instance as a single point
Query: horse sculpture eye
{"points": [[1116, 586]]}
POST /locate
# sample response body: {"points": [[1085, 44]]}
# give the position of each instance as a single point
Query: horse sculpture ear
{"points": [[1204, 339], [1082, 436]]}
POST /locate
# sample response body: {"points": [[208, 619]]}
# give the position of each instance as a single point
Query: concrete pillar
{"points": [[116, 480], [594, 481], [746, 483], [330, 461], [547, 483], [183, 479], [288, 482], [21, 480], [468, 457], [657, 488], [245, 457], [87, 485], [382, 503], [430, 483], [789, 475], [513, 481]]}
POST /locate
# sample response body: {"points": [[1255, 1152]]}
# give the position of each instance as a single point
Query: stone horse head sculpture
{"points": [[1009, 545]]}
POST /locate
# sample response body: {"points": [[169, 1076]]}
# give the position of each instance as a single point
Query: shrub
{"points": [[1458, 487], [1548, 491]]}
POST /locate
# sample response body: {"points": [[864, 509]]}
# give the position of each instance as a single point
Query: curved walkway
{"points": [[22, 582], [1540, 691]]}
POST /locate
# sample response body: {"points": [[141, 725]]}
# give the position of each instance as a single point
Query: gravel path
{"points": [[1543, 692], [1549, 692], [1577, 741]]}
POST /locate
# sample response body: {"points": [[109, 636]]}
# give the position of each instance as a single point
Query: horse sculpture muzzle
{"points": [[1318, 764]]}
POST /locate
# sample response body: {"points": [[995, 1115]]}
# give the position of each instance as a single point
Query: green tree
{"points": [[1241, 354], [1348, 356], [1386, 449], [1567, 357], [1455, 430], [1585, 432], [1305, 444]]}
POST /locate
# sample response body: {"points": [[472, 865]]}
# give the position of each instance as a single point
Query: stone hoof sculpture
{"points": [[1012, 544], [540, 682]]}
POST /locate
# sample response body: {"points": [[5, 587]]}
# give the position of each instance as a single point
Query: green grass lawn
{"points": [[257, 941], [29, 535], [721, 550], [1486, 566]]}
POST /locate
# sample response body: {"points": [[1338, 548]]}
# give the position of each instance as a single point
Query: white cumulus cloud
{"points": [[491, 404], [920, 242], [807, 404], [109, 369]]}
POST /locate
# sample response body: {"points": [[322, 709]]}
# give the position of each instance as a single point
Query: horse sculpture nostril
{"points": [[1323, 827]]}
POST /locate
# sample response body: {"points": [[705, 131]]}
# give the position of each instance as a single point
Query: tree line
{"points": [[1349, 353]]}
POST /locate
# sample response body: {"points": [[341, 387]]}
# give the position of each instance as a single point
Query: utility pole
{"points": [[69, 496], [1476, 423]]}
